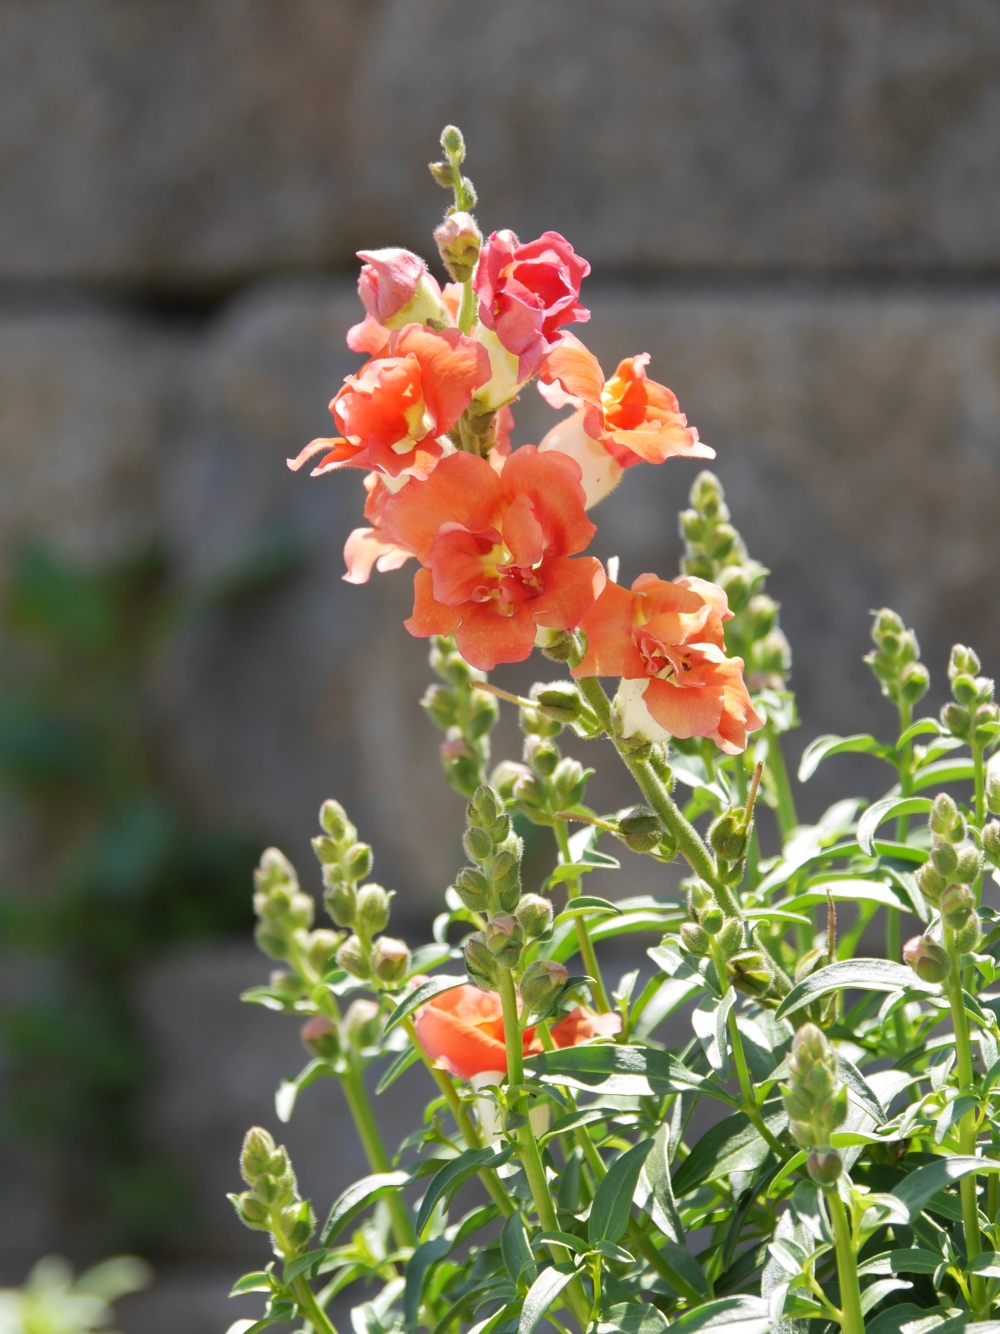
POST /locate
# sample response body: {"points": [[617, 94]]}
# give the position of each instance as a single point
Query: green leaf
{"points": [[865, 974], [454, 1174], [911, 1260], [733, 1145], [684, 1273], [271, 1000], [289, 1089], [542, 1293], [944, 771], [659, 1202], [922, 1185], [631, 1071], [432, 987], [609, 1214], [514, 1248], [859, 1086], [357, 1197], [824, 746], [260, 1281], [874, 1293], [402, 1063], [585, 904], [419, 1265], [301, 1264], [708, 1019], [633, 1318], [986, 1263], [730, 1315], [562, 1239], [848, 891], [887, 809], [583, 1116]]}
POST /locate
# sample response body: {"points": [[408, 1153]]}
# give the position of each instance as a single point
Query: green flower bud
{"points": [[991, 840], [964, 689], [993, 792], [695, 939], [809, 963], [534, 914], [333, 821], [542, 754], [257, 1155], [373, 909], [322, 950], [914, 683], [504, 939], [251, 1211], [814, 1097], [557, 645], [772, 655], [886, 627], [358, 861], [272, 941], [962, 662], [273, 871], [970, 865], [707, 496], [351, 957], [932, 884], [730, 937], [484, 713], [569, 781], [945, 859], [298, 1225], [985, 689], [327, 850], [441, 705], [473, 889], [762, 612], [288, 984], [542, 980], [692, 527], [561, 701], [736, 582], [955, 719], [639, 828], [505, 776], [967, 938], [460, 763], [712, 919], [927, 958], [360, 1024], [321, 1037], [728, 836], [390, 959], [958, 903], [341, 902], [825, 1166], [478, 844], [721, 542], [480, 963], [751, 972], [943, 815], [485, 808], [529, 792]]}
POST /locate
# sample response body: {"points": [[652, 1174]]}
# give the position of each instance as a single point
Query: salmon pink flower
{"points": [[368, 547], [496, 551], [526, 292], [665, 641], [393, 411], [620, 422], [462, 1031]]}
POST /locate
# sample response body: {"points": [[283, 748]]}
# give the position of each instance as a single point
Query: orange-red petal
{"points": [[463, 491], [608, 627], [486, 636], [429, 616], [572, 586]]}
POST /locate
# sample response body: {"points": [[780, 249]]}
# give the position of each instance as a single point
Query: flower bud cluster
{"points": [[542, 982], [946, 880], [895, 660], [448, 174], [284, 916], [464, 713], [972, 713], [362, 908], [491, 886], [715, 551], [729, 838], [547, 782], [816, 1101], [272, 1203]]}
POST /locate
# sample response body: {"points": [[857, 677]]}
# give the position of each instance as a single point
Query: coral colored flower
{"points": [[462, 1031], [496, 551], [665, 640], [630, 417], [526, 292], [368, 547], [391, 413]]}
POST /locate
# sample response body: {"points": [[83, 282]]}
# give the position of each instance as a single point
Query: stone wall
{"points": [[794, 209]]}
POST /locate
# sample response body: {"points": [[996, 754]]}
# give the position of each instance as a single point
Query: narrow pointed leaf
{"points": [[609, 1214], [922, 1185], [824, 746], [454, 1174], [419, 1265], [357, 1197], [864, 974], [514, 1248], [432, 987], [730, 1315], [887, 809], [402, 1063], [633, 1318], [708, 1019], [542, 1293]]}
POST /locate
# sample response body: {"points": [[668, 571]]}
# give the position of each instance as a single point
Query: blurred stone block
{"points": [[164, 145]]}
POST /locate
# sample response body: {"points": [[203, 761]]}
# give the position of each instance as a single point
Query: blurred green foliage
{"points": [[100, 867]]}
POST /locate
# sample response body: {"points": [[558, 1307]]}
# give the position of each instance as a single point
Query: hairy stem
{"points": [[375, 1152], [749, 1105], [582, 934], [852, 1321], [311, 1308]]}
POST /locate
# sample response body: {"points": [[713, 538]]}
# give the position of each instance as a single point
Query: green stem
{"points": [[375, 1152], [311, 1308], [749, 1107], [967, 1125], [528, 1152], [467, 1128], [582, 934], [467, 310], [785, 812], [852, 1321], [892, 916], [979, 771]]}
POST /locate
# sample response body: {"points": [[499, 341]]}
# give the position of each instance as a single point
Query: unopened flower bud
{"points": [[561, 701], [257, 1155], [556, 645], [333, 821], [322, 950], [390, 959], [962, 661], [695, 939], [397, 290], [534, 913], [825, 1166], [373, 909], [271, 940], [943, 815], [529, 792], [809, 963], [927, 958], [289, 985], [569, 780], [360, 1022], [505, 776], [728, 836], [440, 704], [478, 844], [698, 567], [473, 889], [968, 937], [815, 1098], [751, 972], [932, 883], [459, 241], [886, 628], [706, 496], [945, 859], [504, 938], [251, 1211], [484, 713], [358, 861], [993, 792], [321, 1037], [914, 682], [970, 865], [542, 980], [460, 763], [958, 903], [639, 828], [991, 840], [351, 957], [542, 754], [341, 902], [963, 687], [485, 807], [730, 937], [762, 612], [735, 581], [480, 963], [955, 719], [327, 850]]}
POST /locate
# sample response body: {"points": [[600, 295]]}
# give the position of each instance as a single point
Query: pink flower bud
{"points": [[397, 289]]}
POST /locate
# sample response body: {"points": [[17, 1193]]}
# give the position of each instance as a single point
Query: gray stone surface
{"points": [[194, 145]]}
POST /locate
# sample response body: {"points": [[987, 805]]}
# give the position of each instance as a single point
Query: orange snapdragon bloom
{"points": [[620, 422], [368, 547], [665, 641], [462, 1031], [496, 550], [393, 411]]}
